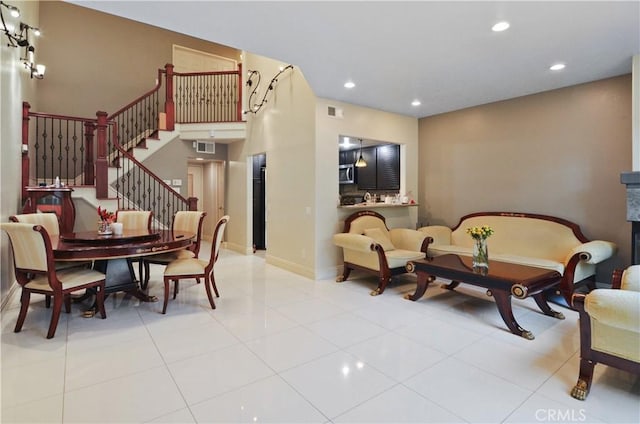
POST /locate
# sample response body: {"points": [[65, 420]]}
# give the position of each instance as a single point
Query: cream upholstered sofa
{"points": [[368, 245], [529, 239], [609, 328]]}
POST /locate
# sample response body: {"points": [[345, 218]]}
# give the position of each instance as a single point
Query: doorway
{"points": [[259, 202], [206, 182]]}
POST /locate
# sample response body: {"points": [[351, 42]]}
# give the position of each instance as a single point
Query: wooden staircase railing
{"points": [[81, 150]]}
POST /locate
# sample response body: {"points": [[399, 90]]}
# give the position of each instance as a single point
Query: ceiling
{"points": [[443, 54]]}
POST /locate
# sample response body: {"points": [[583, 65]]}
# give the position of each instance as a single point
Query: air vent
{"points": [[334, 112], [206, 147]]}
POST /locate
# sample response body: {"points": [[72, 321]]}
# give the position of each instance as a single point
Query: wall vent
{"points": [[334, 112], [206, 147]]}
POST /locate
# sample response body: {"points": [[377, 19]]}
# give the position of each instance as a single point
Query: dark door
{"points": [[259, 201]]}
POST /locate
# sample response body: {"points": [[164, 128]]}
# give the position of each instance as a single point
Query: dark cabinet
{"points": [[383, 168], [388, 167], [52, 200], [366, 177], [348, 157]]}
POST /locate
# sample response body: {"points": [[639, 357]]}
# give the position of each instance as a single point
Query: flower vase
{"points": [[480, 254], [104, 228]]}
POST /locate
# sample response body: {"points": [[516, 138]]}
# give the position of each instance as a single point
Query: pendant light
{"points": [[361, 163]]}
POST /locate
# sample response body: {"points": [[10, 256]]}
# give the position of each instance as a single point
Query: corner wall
{"points": [[557, 153], [15, 87]]}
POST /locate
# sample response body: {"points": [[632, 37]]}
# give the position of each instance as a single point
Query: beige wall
{"points": [[96, 61], [284, 129], [557, 153], [15, 87], [366, 123]]}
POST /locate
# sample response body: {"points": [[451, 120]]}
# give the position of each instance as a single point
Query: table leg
{"points": [[452, 285], [120, 277], [423, 282], [544, 306], [503, 302]]}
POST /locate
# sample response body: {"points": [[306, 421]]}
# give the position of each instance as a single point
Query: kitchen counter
{"points": [[370, 205]]}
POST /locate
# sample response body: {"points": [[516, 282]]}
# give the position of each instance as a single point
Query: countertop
{"points": [[369, 205]]}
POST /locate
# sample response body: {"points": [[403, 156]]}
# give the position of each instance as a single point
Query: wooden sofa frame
{"points": [[385, 273], [566, 286]]}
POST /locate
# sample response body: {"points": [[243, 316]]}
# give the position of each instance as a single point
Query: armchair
{"points": [[609, 328], [368, 245]]}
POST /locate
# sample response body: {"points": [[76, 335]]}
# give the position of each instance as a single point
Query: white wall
{"points": [[284, 129], [15, 87], [366, 123]]}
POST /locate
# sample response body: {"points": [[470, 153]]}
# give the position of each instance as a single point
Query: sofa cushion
{"points": [[380, 237], [399, 257]]}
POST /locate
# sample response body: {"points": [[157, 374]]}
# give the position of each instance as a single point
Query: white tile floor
{"points": [[284, 349]]}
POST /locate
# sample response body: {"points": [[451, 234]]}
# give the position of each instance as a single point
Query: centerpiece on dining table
{"points": [[480, 249], [106, 219]]}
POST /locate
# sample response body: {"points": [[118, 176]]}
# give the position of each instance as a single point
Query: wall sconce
{"points": [[21, 39], [254, 78]]}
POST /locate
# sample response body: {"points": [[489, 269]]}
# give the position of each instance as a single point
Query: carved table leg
{"points": [[503, 302], [423, 282], [544, 307], [452, 285]]}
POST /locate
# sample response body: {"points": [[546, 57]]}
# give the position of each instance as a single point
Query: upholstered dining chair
{"points": [[188, 221], [135, 220], [35, 271], [196, 268], [50, 222]]}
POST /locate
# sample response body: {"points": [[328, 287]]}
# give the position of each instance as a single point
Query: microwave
{"points": [[346, 174]]}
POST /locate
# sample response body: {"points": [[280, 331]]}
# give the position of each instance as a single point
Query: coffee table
{"points": [[502, 280]]}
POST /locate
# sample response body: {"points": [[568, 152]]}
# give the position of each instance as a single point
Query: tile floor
{"points": [[281, 348]]}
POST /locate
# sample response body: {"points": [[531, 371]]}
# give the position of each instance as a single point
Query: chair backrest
{"points": [[32, 252], [134, 220], [218, 234], [48, 220], [190, 221]]}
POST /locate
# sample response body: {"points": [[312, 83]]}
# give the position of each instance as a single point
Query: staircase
{"points": [[102, 158]]}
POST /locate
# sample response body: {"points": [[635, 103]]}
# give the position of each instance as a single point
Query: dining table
{"points": [[112, 254]]}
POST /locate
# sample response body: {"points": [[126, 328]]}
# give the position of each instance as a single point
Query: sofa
{"points": [[609, 328], [368, 245], [529, 239]]}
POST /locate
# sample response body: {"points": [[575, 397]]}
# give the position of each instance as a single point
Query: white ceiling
{"points": [[442, 53]]}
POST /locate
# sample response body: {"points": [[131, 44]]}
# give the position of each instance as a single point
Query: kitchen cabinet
{"points": [[348, 157], [383, 168]]}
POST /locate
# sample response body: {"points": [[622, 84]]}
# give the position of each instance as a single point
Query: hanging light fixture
{"points": [[361, 163]]}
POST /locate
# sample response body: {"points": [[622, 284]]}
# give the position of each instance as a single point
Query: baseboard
{"points": [[7, 299], [290, 266]]}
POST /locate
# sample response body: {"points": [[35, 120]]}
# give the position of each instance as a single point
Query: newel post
{"points": [[89, 170], [169, 106], [193, 203], [102, 167], [239, 106], [25, 148]]}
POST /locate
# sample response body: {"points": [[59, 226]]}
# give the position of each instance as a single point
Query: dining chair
{"points": [[196, 268], [135, 220], [187, 221], [35, 271], [50, 222]]}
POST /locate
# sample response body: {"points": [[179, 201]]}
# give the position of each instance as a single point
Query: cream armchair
{"points": [[368, 245], [609, 328]]}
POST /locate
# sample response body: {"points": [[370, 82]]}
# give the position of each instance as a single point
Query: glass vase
{"points": [[480, 254], [104, 227]]}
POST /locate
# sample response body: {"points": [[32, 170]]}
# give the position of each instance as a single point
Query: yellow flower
{"points": [[481, 232]]}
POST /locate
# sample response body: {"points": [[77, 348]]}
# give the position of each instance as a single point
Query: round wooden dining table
{"points": [[113, 254]]}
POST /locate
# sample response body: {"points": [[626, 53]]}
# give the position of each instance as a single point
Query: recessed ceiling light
{"points": [[416, 103], [349, 84], [557, 67], [500, 26]]}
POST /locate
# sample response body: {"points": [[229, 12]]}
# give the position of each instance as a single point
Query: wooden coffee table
{"points": [[502, 280]]}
